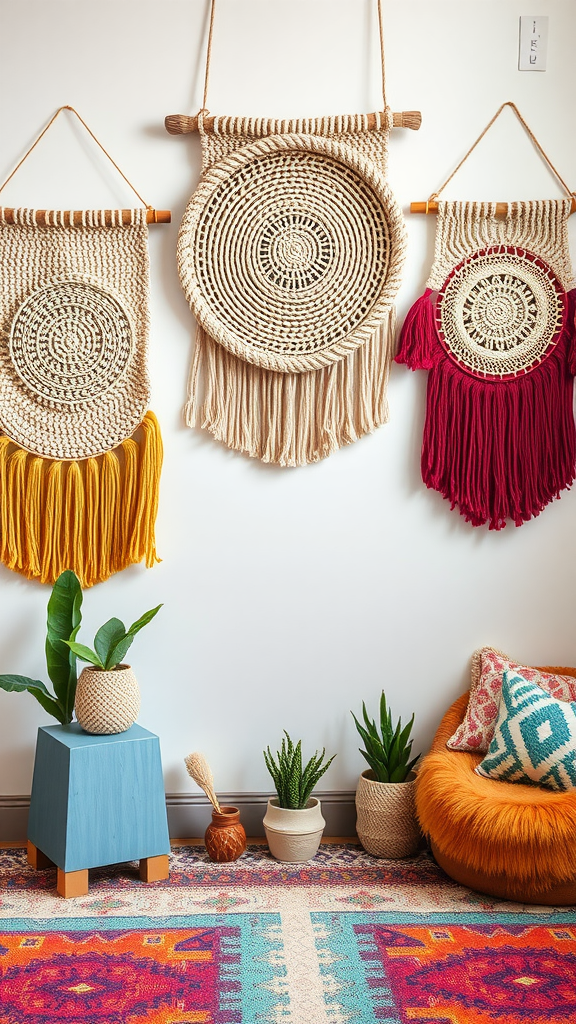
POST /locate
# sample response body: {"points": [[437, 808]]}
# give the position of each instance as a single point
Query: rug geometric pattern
{"points": [[344, 939], [465, 971], [137, 974]]}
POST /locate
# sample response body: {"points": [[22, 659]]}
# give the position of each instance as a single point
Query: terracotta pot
{"points": [[293, 835], [225, 837], [386, 816], [107, 701]]}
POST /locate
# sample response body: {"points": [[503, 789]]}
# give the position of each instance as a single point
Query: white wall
{"points": [[290, 595]]}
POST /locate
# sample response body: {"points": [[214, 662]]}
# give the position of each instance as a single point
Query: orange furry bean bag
{"points": [[502, 838]]}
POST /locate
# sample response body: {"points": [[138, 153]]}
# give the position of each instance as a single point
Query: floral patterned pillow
{"points": [[488, 667]]}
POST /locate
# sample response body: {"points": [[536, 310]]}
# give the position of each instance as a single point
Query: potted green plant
{"points": [[63, 622], [293, 822], [386, 817], [106, 698], [107, 693]]}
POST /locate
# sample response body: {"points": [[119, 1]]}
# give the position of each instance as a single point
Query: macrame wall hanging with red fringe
{"points": [[290, 254], [495, 329], [80, 456]]}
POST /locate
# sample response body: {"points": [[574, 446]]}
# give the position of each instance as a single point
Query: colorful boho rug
{"points": [[343, 939]]}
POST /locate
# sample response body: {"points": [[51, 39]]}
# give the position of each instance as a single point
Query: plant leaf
{"points": [[293, 782], [17, 684], [63, 622], [316, 774], [271, 766], [12, 683], [370, 725], [385, 718], [406, 732], [143, 621], [362, 731], [51, 706], [118, 652], [107, 637], [84, 653]]}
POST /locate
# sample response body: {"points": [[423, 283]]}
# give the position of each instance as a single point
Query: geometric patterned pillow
{"points": [[535, 738], [488, 667]]}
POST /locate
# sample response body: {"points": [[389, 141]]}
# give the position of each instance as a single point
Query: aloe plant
{"points": [[111, 642], [64, 618], [294, 783], [388, 751]]}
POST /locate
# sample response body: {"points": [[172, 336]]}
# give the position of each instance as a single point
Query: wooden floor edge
{"points": [[6, 844]]}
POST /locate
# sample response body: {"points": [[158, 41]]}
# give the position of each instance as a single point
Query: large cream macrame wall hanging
{"points": [[495, 329], [290, 254], [80, 456]]}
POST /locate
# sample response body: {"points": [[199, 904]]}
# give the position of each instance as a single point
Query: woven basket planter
{"points": [[107, 701], [386, 816], [293, 835]]}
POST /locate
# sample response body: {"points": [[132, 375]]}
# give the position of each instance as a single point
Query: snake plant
{"points": [[293, 782], [388, 751]]}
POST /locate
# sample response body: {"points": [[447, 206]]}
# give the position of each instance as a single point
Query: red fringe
{"points": [[497, 449], [572, 323], [418, 340]]}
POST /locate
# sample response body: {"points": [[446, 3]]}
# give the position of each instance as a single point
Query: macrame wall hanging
{"points": [[290, 254], [80, 456], [495, 329]]}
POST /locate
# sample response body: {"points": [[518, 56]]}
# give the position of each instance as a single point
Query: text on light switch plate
{"points": [[533, 43]]}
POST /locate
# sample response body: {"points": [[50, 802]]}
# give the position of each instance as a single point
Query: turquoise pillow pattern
{"points": [[535, 737]]}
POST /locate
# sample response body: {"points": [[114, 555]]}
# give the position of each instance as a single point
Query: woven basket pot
{"points": [[293, 835], [107, 701], [386, 816]]}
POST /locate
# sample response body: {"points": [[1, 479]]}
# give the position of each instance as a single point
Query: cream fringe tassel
{"points": [[290, 418], [95, 516]]}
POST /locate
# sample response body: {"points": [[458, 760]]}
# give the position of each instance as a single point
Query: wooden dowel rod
{"points": [[181, 124], [75, 217], [501, 208], [157, 216]]}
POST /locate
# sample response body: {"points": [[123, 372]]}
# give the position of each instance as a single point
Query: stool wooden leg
{"points": [[72, 883], [154, 869], [37, 859]]}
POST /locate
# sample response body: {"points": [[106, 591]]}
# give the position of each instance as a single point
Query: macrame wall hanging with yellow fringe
{"points": [[290, 254], [80, 456], [495, 329]]}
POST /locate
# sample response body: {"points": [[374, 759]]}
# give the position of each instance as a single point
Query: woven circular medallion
{"points": [[70, 341], [500, 312], [290, 251], [73, 380]]}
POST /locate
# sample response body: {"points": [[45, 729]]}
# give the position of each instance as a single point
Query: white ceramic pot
{"points": [[107, 701], [293, 835], [386, 816]]}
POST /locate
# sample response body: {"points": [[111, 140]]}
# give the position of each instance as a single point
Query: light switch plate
{"points": [[533, 43]]}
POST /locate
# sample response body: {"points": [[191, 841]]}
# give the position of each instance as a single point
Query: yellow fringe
{"points": [[96, 516], [290, 419]]}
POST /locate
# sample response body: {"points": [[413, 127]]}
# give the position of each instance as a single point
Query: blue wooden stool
{"points": [[97, 800]]}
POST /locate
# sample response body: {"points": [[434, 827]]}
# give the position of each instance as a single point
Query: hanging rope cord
{"points": [[98, 143], [508, 103], [204, 110]]}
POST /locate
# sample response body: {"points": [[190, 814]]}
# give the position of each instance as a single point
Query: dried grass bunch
{"points": [[199, 770]]}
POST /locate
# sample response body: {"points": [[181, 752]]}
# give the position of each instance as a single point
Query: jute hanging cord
{"points": [[495, 328], [80, 455], [290, 253]]}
